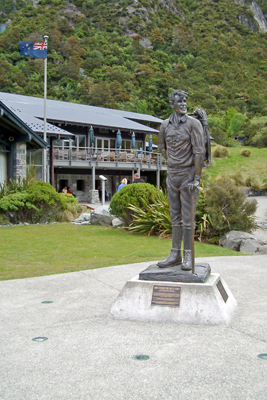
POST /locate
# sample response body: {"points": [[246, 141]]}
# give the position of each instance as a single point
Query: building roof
{"points": [[31, 110], [14, 126]]}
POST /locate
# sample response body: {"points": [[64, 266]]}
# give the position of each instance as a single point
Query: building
{"points": [[86, 141], [17, 140]]}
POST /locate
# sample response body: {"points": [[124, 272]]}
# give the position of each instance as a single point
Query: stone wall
{"points": [[84, 183]]}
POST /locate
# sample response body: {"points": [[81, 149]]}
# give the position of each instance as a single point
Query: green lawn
{"points": [[36, 250], [254, 165]]}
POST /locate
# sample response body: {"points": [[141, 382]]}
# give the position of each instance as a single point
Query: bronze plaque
{"points": [[222, 291], [166, 295]]}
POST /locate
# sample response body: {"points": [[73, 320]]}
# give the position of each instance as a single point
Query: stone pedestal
{"points": [[209, 303], [94, 197]]}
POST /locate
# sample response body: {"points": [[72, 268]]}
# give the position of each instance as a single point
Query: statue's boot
{"points": [[175, 257], [187, 262]]}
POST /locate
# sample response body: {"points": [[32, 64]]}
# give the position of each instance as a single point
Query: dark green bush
{"points": [[133, 194], [38, 204], [228, 208]]}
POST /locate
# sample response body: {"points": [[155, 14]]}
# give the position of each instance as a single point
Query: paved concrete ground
{"points": [[261, 217], [261, 213], [89, 355]]}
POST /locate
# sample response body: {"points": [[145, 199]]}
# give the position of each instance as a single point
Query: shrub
{"points": [[264, 184], [245, 152], [253, 182], [220, 151], [134, 194], [239, 179], [72, 212], [219, 135], [220, 208], [228, 208], [152, 218], [38, 204], [14, 186]]}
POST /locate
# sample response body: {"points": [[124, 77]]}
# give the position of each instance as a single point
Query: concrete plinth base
{"points": [[209, 303], [94, 197]]}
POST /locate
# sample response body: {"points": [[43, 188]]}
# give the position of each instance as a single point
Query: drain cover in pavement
{"points": [[263, 356], [141, 357], [39, 339]]}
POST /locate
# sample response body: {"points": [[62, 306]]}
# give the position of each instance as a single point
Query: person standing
{"points": [[181, 142], [123, 183], [137, 178]]}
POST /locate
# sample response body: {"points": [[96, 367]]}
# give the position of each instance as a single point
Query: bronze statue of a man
{"points": [[181, 142]]}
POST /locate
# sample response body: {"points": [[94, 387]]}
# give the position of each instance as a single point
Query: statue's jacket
{"points": [[180, 139]]}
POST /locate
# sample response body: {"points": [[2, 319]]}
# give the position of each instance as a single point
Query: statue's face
{"points": [[180, 105]]}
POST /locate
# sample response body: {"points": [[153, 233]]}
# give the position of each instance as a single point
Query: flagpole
{"points": [[45, 93]]}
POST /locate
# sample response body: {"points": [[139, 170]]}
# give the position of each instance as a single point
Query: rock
{"points": [[232, 240], [243, 242], [102, 216], [253, 247], [83, 217], [256, 24], [116, 222]]}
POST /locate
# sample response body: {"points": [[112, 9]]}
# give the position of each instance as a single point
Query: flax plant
{"points": [[152, 218]]}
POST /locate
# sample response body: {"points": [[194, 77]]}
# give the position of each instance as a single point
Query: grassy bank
{"points": [[254, 165], [38, 250]]}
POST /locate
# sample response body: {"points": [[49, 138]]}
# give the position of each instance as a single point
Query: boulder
{"points": [[243, 242], [117, 222], [85, 217], [253, 247], [102, 216], [232, 240]]}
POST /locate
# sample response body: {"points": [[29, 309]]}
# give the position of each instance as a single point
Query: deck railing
{"points": [[96, 156]]}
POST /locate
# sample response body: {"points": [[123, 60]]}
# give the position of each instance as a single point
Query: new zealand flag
{"points": [[38, 50]]}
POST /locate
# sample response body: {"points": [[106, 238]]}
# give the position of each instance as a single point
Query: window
{"points": [[139, 145], [80, 141], [80, 185], [65, 144], [3, 164], [103, 144], [34, 159], [127, 145]]}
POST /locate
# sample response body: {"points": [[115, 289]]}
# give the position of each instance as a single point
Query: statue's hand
{"points": [[194, 185]]}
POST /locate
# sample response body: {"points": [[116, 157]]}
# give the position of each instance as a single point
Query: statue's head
{"points": [[178, 101]]}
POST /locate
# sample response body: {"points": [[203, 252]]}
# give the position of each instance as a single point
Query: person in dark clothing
{"points": [[69, 191], [137, 179]]}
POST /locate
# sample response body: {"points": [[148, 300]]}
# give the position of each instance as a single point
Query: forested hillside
{"points": [[131, 54]]}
